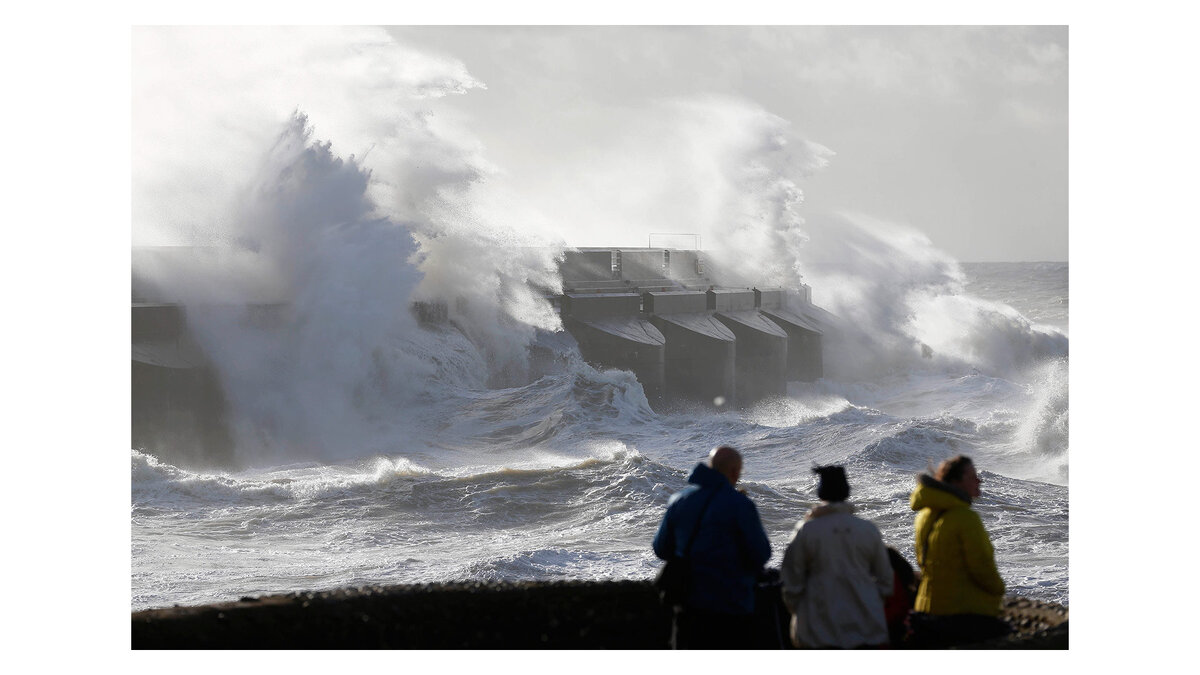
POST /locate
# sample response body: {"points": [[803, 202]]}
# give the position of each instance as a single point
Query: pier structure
{"points": [[654, 312], [658, 313], [700, 349], [176, 398], [804, 329], [610, 330], [761, 353], [178, 406]]}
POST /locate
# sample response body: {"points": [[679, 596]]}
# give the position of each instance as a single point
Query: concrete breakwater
{"points": [[488, 615], [657, 313]]}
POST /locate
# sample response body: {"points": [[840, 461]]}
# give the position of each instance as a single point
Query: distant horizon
{"points": [[672, 248]]}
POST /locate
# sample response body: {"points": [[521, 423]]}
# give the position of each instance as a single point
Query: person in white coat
{"points": [[836, 573]]}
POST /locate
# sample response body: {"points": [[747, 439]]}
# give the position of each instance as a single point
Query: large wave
{"points": [[338, 246], [330, 192], [338, 250]]}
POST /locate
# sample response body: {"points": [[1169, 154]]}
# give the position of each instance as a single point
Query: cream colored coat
{"points": [[836, 574]]}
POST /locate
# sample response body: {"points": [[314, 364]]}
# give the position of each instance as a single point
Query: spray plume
{"points": [[903, 305], [367, 201], [338, 247]]}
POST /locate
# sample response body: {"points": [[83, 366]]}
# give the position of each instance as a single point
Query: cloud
{"points": [[948, 61], [1031, 115]]}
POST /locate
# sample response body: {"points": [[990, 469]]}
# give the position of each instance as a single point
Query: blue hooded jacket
{"points": [[731, 545]]}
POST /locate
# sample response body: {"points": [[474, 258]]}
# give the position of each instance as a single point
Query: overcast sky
{"points": [[960, 132]]}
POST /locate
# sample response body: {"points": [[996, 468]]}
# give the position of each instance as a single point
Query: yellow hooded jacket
{"points": [[958, 564]]}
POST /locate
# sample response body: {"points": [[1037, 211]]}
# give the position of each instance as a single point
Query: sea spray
{"points": [[903, 306], [495, 285], [1043, 437], [720, 173], [337, 250], [753, 162], [206, 99], [344, 351]]}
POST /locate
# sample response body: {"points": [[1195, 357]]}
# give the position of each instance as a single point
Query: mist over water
{"points": [[370, 449], [896, 292]]}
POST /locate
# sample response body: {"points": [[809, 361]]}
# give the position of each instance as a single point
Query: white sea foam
{"points": [[795, 409]]}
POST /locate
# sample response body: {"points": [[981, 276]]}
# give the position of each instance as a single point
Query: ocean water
{"points": [[567, 477], [371, 450]]}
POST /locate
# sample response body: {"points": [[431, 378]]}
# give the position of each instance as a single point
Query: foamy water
{"points": [[370, 450], [567, 477]]}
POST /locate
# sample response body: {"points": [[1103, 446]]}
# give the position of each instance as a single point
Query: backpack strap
{"points": [[699, 519]]}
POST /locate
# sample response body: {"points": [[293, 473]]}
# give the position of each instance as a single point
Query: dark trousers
{"points": [[697, 629], [928, 631]]}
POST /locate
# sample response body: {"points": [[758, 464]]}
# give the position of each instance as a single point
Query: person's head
{"points": [[959, 471], [832, 486], [727, 462]]}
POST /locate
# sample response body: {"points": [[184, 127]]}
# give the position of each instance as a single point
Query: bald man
{"points": [[727, 553]]}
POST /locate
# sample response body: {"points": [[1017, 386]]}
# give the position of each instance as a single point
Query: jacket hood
{"points": [[706, 476], [934, 494], [829, 508]]}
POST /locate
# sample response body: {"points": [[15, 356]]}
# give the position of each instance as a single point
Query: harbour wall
{"points": [[665, 319], [176, 397], [489, 615], [719, 347], [654, 312]]}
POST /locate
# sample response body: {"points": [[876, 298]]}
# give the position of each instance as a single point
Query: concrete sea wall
{"points": [[495, 615]]}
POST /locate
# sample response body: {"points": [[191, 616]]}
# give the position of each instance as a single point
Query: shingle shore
{"points": [[484, 615]]}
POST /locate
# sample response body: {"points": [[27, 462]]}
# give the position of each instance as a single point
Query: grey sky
{"points": [[960, 132]]}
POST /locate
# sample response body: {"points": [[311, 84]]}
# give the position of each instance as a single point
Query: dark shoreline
{"points": [[485, 615]]}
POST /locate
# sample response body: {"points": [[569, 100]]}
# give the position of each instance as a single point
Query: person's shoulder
{"points": [[741, 499], [682, 494], [865, 525], [734, 502], [963, 516]]}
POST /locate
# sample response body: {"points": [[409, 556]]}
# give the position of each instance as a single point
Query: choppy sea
{"points": [[427, 471]]}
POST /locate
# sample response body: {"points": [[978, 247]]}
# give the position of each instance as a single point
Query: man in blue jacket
{"points": [[727, 554]]}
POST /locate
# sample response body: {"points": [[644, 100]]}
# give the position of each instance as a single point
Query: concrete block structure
{"points": [[804, 356], [611, 332], [176, 399], [700, 350], [653, 312], [760, 362], [728, 346], [588, 266]]}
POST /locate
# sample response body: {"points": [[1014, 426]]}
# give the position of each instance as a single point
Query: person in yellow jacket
{"points": [[960, 594]]}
